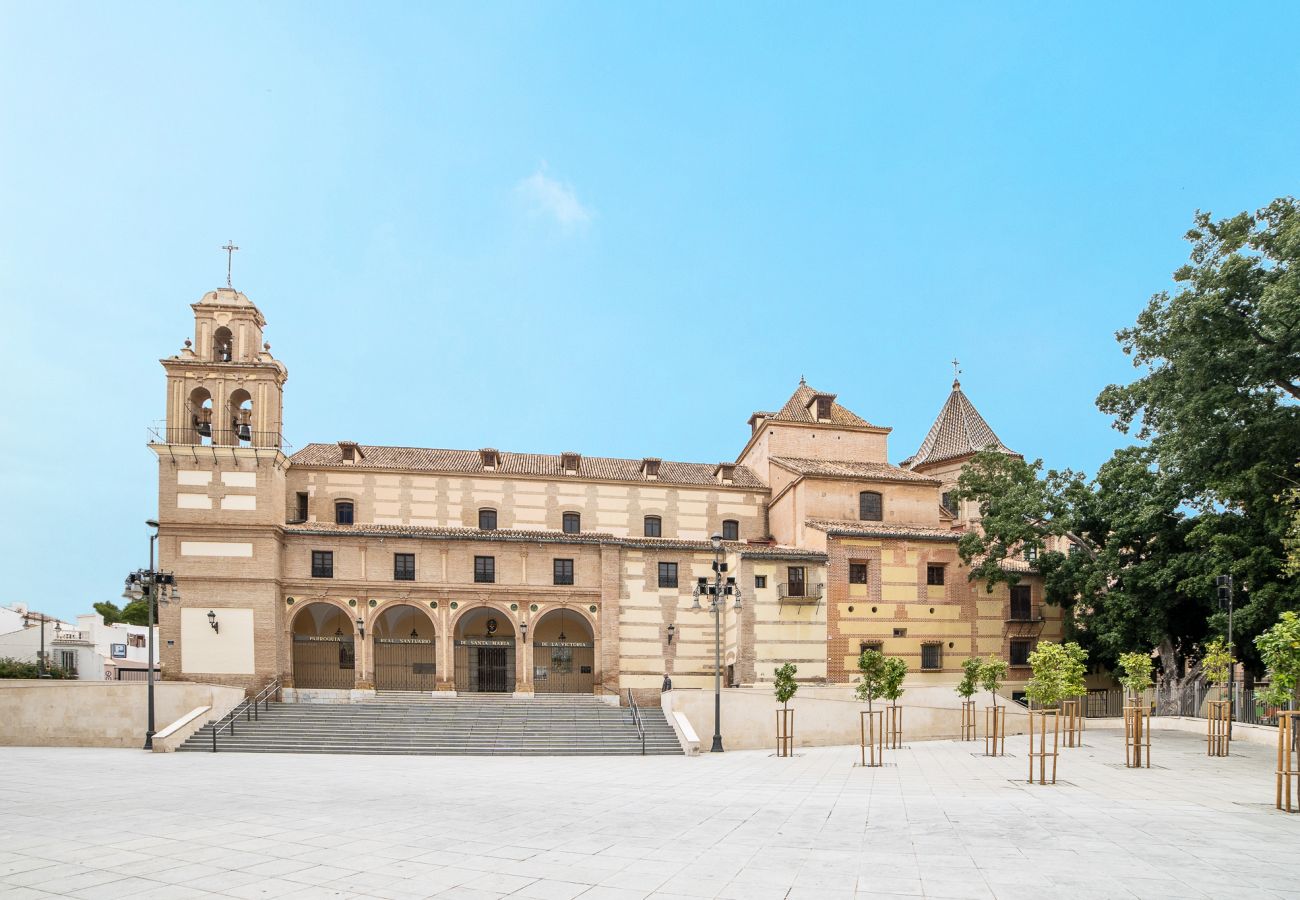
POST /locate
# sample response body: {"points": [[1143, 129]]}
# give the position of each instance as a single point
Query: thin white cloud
{"points": [[545, 196]]}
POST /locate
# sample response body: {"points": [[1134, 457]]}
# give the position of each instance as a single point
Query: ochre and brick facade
{"points": [[350, 567]]}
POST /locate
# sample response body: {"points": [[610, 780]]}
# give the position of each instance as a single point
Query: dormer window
{"points": [[490, 458], [871, 507], [572, 523], [650, 467], [820, 406], [351, 451], [725, 472], [343, 512], [756, 422], [569, 462]]}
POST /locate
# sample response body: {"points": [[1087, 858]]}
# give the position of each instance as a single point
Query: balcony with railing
{"points": [[208, 434], [800, 593], [1025, 617]]}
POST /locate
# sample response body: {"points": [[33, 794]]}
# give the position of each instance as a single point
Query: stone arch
{"points": [[200, 415], [239, 415], [381, 628], [563, 647], [323, 639], [487, 660], [404, 641], [223, 344]]}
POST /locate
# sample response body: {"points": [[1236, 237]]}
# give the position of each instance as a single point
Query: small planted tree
{"points": [[871, 682], [966, 688], [1072, 705], [1216, 663], [891, 688], [1279, 648], [785, 688], [991, 675], [1135, 676], [1052, 666]]}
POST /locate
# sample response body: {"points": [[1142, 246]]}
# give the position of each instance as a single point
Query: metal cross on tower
{"points": [[956, 370], [230, 249]]}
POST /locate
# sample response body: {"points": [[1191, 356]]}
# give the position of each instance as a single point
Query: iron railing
{"points": [[1189, 702], [1028, 612], [213, 436], [249, 709], [636, 719], [799, 590]]}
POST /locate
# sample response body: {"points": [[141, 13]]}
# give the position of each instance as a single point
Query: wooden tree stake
{"points": [[1288, 759], [785, 732], [1217, 717], [873, 737], [1137, 736], [894, 727], [995, 730], [1041, 722], [968, 720]]}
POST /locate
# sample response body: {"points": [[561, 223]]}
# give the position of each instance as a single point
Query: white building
{"points": [[88, 648]]}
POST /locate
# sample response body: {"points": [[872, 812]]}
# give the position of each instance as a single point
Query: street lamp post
{"points": [[150, 583], [1224, 583], [717, 594]]}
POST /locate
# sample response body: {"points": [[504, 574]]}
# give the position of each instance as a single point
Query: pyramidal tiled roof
{"points": [[958, 431], [796, 410]]}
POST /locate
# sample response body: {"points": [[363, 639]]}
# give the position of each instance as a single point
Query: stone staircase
{"points": [[417, 724]]}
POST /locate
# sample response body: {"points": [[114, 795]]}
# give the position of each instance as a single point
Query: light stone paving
{"points": [[938, 821]]}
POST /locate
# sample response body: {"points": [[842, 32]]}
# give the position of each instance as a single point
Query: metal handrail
{"points": [[249, 708], [636, 718], [800, 590]]}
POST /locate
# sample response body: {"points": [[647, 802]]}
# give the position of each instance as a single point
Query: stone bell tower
{"points": [[224, 388]]}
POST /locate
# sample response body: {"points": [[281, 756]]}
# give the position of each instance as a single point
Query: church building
{"points": [[343, 568]]}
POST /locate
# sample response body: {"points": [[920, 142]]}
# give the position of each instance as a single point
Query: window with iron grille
{"points": [[572, 523], [1021, 605], [949, 501], [1020, 653], [932, 656], [564, 571], [487, 519], [1031, 554], [654, 526], [760, 581], [322, 564], [730, 530], [857, 573], [485, 569], [343, 512], [403, 566], [668, 575], [871, 507], [934, 574]]}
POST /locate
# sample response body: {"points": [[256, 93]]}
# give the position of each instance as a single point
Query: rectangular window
{"points": [[857, 573], [760, 581], [564, 571], [1019, 653], [932, 656], [900, 632], [871, 507], [572, 523], [1031, 554], [487, 519], [654, 526], [731, 530], [302, 507], [794, 577], [1021, 607], [864, 646], [934, 574], [403, 566], [667, 575], [68, 661], [343, 512], [949, 501], [322, 564], [485, 569]]}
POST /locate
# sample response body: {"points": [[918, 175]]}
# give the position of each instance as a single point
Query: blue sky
{"points": [[613, 228]]}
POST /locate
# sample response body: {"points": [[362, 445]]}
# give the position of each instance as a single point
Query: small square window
{"points": [[900, 632], [730, 530], [564, 571], [322, 564], [668, 574], [760, 581], [403, 566], [864, 646], [487, 519], [934, 574], [485, 569], [932, 656], [572, 523], [857, 573]]}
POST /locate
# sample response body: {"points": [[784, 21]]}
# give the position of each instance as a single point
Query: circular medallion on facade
{"points": [[454, 604], [514, 606], [491, 626], [374, 603], [533, 607], [433, 604], [592, 608], [289, 601], [352, 601]]}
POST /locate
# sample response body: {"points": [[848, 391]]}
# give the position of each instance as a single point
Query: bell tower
{"points": [[224, 388]]}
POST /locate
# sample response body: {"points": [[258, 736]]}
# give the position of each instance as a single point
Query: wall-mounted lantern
{"points": [[212, 620], [361, 627], [672, 630]]}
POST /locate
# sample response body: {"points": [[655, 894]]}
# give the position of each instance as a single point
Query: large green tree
{"points": [[1209, 490]]}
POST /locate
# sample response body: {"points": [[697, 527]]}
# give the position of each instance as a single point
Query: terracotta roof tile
{"points": [[883, 529], [796, 410], [959, 430], [469, 462], [837, 468]]}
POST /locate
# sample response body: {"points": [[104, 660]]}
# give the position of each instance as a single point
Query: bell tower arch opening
{"points": [[240, 417], [223, 345], [200, 417]]}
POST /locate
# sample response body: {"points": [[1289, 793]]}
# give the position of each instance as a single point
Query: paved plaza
{"points": [[938, 821]]}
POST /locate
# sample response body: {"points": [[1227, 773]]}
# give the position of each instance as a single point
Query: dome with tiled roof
{"points": [[958, 431]]}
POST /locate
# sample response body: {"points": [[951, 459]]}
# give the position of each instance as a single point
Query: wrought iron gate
{"points": [[324, 662], [405, 664], [563, 667], [485, 665]]}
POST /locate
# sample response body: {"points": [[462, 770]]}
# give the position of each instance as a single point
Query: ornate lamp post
{"points": [[151, 584], [717, 594]]}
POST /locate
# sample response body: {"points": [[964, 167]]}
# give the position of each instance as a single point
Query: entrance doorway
{"points": [[564, 654], [406, 651], [485, 652], [324, 648]]}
